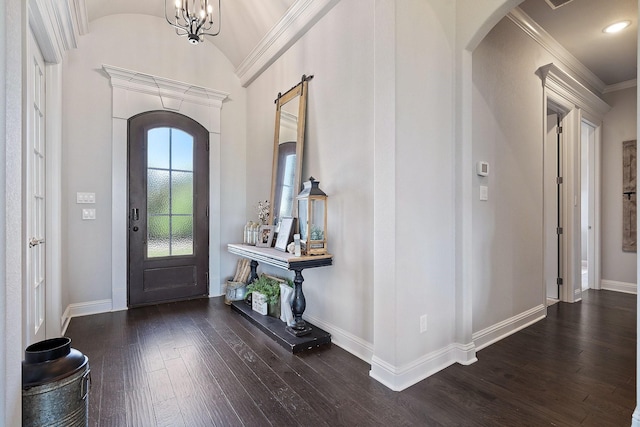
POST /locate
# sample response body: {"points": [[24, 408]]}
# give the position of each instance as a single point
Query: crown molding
{"points": [[621, 86], [167, 89], [544, 39], [54, 28], [301, 16], [79, 10], [560, 82]]}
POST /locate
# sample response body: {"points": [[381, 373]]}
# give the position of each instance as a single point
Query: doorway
{"points": [[168, 244], [553, 203], [588, 204], [35, 159]]}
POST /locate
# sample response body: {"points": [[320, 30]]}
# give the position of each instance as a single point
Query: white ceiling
{"points": [[578, 26], [244, 22]]}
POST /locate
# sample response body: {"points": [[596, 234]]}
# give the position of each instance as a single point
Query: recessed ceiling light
{"points": [[618, 26]]}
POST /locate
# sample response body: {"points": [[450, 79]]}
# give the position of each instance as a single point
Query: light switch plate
{"points": [[484, 193], [88, 214], [85, 197]]}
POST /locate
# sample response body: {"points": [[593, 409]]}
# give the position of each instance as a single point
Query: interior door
{"points": [[553, 206], [36, 197], [168, 208]]}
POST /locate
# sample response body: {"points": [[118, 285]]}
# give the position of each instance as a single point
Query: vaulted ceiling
{"points": [[577, 26], [244, 22]]}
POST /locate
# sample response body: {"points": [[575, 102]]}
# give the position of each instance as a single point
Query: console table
{"points": [[302, 335]]}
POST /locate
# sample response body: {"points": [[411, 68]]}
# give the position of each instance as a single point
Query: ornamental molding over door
{"points": [[134, 93]]}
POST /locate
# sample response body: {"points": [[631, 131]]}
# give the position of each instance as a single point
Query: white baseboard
{"points": [[343, 339], [509, 326], [612, 285], [399, 378], [84, 309]]}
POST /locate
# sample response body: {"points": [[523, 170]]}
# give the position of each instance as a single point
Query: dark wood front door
{"points": [[168, 208]]}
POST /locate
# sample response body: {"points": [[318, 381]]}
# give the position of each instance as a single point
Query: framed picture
{"points": [[265, 236], [285, 233]]}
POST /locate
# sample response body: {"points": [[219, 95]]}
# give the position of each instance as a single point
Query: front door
{"points": [[168, 208]]}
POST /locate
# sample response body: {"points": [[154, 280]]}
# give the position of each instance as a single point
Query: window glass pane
{"points": [[181, 150], [182, 193], [169, 193], [181, 235], [158, 243], [158, 148], [158, 196]]}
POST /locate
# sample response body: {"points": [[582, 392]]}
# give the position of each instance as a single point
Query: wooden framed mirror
{"points": [[288, 148]]}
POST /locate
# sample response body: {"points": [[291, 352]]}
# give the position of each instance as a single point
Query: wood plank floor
{"points": [[197, 363]]}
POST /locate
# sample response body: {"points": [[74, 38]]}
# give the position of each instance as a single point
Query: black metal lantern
{"points": [[312, 218]]}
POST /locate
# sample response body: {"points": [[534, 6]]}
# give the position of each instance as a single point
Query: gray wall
{"points": [[619, 125]]}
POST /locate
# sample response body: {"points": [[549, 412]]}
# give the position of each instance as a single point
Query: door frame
{"points": [[131, 95], [52, 55], [580, 104]]}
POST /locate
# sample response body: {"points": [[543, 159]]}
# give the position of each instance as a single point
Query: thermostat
{"points": [[482, 168]]}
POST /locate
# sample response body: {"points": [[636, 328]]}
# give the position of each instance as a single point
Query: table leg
{"points": [[252, 277], [298, 306]]}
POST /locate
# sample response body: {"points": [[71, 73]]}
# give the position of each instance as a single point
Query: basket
{"points": [[235, 291]]}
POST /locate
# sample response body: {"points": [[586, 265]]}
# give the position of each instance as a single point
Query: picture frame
{"points": [[265, 236], [285, 233]]}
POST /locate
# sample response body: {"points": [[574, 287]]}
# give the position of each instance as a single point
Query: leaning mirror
{"points": [[287, 151]]}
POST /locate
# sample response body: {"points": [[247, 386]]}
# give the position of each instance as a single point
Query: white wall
{"points": [[12, 33], [508, 133], [338, 51], [140, 43], [618, 125]]}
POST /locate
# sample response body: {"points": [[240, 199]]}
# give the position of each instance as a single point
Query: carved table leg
{"points": [[252, 277], [254, 271], [298, 306]]}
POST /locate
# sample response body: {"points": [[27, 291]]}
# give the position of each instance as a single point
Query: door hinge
{"points": [[207, 145], [559, 230], [559, 129], [206, 212], [206, 276], [559, 180], [559, 281]]}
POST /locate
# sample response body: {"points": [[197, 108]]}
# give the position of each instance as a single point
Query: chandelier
{"points": [[194, 19]]}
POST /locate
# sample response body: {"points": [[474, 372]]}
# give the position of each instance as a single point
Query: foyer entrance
{"points": [[168, 208]]}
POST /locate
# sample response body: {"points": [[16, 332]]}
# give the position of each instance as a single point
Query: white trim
{"points": [[509, 326], [343, 339], [544, 39], [53, 228], [298, 19], [172, 92], [621, 86], [612, 285], [84, 309], [81, 18], [558, 81], [54, 28], [400, 378]]}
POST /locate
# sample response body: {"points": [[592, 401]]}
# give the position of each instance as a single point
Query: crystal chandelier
{"points": [[194, 19]]}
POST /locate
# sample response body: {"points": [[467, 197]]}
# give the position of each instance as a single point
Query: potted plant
{"points": [[269, 288]]}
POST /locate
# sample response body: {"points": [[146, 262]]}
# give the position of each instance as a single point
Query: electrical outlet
{"points": [[423, 323]]}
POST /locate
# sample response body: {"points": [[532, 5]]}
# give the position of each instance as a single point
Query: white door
{"points": [[35, 195]]}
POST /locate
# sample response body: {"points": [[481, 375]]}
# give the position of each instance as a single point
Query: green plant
{"points": [[267, 286]]}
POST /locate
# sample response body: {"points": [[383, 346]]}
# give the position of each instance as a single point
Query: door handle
{"points": [[35, 242], [135, 214]]}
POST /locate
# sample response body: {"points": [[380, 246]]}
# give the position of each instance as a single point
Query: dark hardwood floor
{"points": [[197, 363]]}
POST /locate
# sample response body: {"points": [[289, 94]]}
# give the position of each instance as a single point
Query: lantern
{"points": [[312, 218]]}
